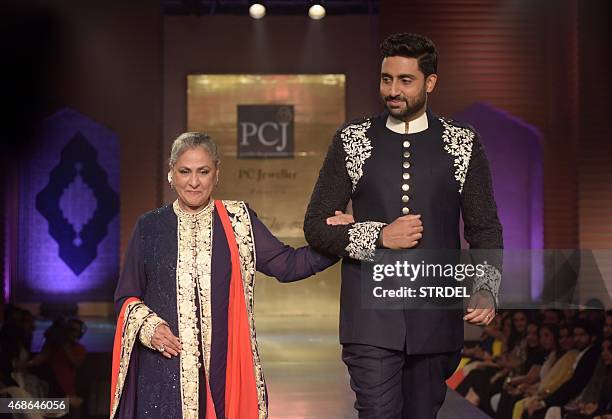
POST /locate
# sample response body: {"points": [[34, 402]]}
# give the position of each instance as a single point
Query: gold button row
{"points": [[406, 176]]}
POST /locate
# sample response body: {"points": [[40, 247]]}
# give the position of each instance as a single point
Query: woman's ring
{"points": [[161, 348]]}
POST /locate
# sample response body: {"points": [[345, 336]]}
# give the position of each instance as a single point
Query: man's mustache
{"points": [[398, 97]]}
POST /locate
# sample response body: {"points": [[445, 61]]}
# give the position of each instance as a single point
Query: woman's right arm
{"points": [[132, 283]]}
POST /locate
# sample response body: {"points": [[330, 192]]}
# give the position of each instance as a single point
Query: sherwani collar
{"points": [[417, 125]]}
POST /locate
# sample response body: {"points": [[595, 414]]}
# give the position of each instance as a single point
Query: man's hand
{"points": [[403, 233], [165, 342], [340, 219], [481, 309]]}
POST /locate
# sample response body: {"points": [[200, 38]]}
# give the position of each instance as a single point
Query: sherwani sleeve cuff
{"points": [[362, 240], [148, 330], [490, 282]]}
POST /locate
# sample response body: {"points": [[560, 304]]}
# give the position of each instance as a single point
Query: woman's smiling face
{"points": [[194, 177]]}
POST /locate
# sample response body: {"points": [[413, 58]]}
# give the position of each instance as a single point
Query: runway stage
{"points": [[306, 377], [301, 357]]}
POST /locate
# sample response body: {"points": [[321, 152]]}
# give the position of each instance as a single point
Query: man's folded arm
{"points": [[331, 193]]}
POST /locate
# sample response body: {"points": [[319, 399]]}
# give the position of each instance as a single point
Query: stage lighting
{"points": [[316, 11], [257, 10]]}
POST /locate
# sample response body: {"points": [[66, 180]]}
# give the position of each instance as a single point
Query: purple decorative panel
{"points": [[68, 213], [514, 150]]}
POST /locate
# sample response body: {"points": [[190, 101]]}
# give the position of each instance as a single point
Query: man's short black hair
{"points": [[412, 45], [588, 327]]}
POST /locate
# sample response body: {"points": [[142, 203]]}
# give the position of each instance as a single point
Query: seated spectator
{"points": [[481, 384], [490, 344], [478, 374], [596, 399], [560, 372], [60, 357], [514, 388], [584, 338], [15, 343]]}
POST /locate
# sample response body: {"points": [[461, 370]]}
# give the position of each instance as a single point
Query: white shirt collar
{"points": [[580, 355], [399, 126]]}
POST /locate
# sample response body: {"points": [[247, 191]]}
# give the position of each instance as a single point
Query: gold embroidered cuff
{"points": [[148, 329]]}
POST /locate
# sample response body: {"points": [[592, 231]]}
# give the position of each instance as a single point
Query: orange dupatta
{"points": [[240, 387], [117, 348]]}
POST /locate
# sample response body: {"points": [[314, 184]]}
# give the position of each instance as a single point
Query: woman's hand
{"points": [[340, 219], [165, 342]]}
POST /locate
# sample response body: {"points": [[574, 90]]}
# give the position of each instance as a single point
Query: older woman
{"points": [[185, 343]]}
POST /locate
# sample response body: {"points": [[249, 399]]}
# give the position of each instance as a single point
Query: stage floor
{"points": [[301, 358], [306, 377]]}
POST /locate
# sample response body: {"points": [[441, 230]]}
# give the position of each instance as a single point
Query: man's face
{"points": [[581, 338], [403, 87]]}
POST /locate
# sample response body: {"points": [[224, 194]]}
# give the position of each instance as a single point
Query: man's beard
{"points": [[413, 105]]}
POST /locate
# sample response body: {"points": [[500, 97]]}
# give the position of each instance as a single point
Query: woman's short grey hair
{"points": [[192, 140]]}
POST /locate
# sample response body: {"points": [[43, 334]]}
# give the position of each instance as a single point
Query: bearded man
{"points": [[409, 176]]}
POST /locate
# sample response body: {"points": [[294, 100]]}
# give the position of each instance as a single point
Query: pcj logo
{"points": [[265, 131]]}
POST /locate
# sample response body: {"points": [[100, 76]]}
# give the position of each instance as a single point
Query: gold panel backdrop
{"points": [[277, 189]]}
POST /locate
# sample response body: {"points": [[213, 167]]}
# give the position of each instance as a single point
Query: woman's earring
{"points": [[170, 181]]}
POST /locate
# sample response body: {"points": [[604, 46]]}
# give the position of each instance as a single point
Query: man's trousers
{"points": [[390, 384]]}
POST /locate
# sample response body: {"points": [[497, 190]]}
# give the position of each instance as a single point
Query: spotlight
{"points": [[316, 11], [257, 10]]}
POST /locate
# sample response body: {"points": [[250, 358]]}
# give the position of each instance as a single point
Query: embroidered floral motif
{"points": [[458, 143], [358, 148], [362, 240], [135, 315], [490, 281], [241, 224], [193, 281], [148, 329]]}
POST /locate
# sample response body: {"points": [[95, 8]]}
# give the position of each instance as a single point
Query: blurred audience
{"points": [[546, 364], [50, 373]]}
